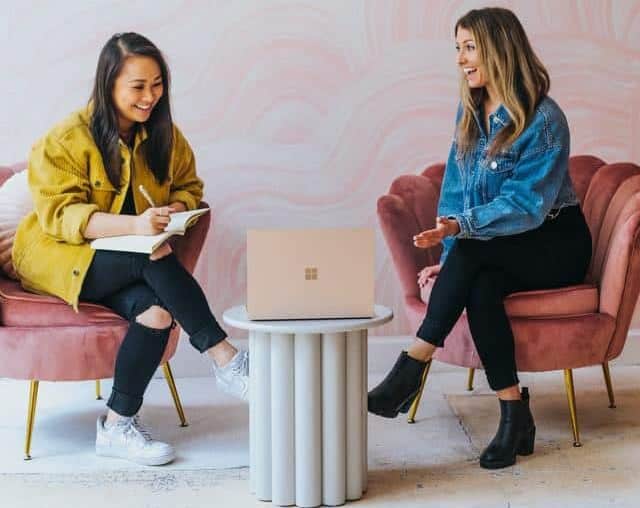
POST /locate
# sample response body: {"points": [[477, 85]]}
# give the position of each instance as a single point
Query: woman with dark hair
{"points": [[509, 220], [84, 176]]}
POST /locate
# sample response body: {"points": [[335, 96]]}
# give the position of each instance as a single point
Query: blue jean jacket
{"points": [[514, 190]]}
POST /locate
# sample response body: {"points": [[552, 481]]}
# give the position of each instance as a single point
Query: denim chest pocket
{"points": [[497, 169]]}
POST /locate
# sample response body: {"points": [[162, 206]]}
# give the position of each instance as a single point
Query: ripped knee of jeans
{"points": [[156, 318]]}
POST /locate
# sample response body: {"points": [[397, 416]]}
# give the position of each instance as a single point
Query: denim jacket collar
{"points": [[500, 117]]}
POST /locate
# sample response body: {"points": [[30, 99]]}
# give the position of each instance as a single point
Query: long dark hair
{"points": [[104, 121]]}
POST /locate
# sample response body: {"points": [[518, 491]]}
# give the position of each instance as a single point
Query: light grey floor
{"points": [[431, 463]]}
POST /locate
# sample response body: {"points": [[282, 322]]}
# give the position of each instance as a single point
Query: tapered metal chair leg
{"points": [[571, 396], [607, 380], [98, 394], [416, 402], [472, 371], [174, 393], [31, 415]]}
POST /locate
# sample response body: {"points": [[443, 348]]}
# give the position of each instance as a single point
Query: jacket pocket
{"points": [[102, 190], [500, 163], [498, 169]]}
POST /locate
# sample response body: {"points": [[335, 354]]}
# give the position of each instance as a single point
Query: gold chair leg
{"points": [[571, 396], [472, 371], [411, 418], [174, 393], [607, 380], [31, 414], [98, 394]]}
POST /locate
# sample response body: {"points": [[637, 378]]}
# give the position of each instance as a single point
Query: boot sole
{"points": [[403, 408], [496, 465]]}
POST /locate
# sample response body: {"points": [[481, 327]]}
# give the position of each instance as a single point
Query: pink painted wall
{"points": [[301, 113]]}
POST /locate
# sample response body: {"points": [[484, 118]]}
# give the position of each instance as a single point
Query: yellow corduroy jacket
{"points": [[68, 183]]}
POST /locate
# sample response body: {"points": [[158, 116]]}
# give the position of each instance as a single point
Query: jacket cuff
{"points": [[76, 218], [465, 225]]}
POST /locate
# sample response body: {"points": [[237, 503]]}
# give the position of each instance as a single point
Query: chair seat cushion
{"points": [[41, 337], [21, 308], [565, 301]]}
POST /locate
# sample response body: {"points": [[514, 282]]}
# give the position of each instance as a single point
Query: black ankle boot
{"points": [[516, 434], [396, 391]]}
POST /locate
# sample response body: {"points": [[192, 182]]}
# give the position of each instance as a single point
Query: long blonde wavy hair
{"points": [[512, 68]]}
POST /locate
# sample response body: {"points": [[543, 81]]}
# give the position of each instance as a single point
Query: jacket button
{"points": [[97, 183], [494, 164], [76, 272]]}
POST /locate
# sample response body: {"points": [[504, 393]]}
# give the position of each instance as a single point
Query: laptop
{"points": [[310, 273]]}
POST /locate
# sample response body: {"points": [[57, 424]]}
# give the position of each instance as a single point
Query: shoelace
{"points": [[133, 426], [242, 367], [136, 422]]}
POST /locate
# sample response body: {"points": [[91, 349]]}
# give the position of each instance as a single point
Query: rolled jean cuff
{"points": [[431, 333], [208, 337], [502, 380], [123, 404]]}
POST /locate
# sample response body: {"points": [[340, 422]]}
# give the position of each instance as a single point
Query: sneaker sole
{"points": [[144, 461], [229, 391]]}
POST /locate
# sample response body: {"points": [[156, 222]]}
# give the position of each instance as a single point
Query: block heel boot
{"points": [[515, 436], [397, 390]]}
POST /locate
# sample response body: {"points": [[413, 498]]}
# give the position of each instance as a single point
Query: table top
{"points": [[237, 317]]}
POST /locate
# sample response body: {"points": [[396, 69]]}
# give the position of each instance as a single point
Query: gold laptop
{"points": [[310, 273]]}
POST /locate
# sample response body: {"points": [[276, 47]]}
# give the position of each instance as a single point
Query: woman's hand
{"points": [[162, 251], [426, 273], [430, 237], [152, 221]]}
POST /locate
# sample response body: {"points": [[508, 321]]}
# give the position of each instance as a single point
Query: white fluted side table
{"points": [[308, 409]]}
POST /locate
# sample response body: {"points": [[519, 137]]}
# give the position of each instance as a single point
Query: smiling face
{"points": [[137, 90], [468, 59]]}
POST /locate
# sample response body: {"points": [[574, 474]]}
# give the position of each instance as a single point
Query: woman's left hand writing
{"points": [[430, 237]]}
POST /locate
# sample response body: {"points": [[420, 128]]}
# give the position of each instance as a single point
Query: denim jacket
{"points": [[514, 190]]}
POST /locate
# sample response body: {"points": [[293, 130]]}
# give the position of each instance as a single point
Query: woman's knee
{"points": [[155, 317]]}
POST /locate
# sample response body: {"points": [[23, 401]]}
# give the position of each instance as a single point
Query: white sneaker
{"points": [[233, 378], [130, 439]]}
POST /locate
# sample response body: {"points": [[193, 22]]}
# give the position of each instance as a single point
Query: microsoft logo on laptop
{"points": [[311, 273]]}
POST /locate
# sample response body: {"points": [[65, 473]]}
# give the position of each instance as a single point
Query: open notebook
{"points": [[178, 224]]}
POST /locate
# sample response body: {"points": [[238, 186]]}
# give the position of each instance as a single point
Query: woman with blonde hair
{"points": [[509, 221]]}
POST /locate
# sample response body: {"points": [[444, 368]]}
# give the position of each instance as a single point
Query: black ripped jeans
{"points": [[478, 274], [129, 283]]}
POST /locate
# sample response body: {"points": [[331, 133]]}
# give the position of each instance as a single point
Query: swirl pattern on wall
{"points": [[301, 113]]}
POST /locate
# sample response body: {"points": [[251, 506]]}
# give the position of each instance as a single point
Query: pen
{"points": [[144, 192]]}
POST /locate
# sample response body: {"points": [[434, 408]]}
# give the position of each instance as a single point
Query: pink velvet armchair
{"points": [[43, 339], [561, 329]]}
